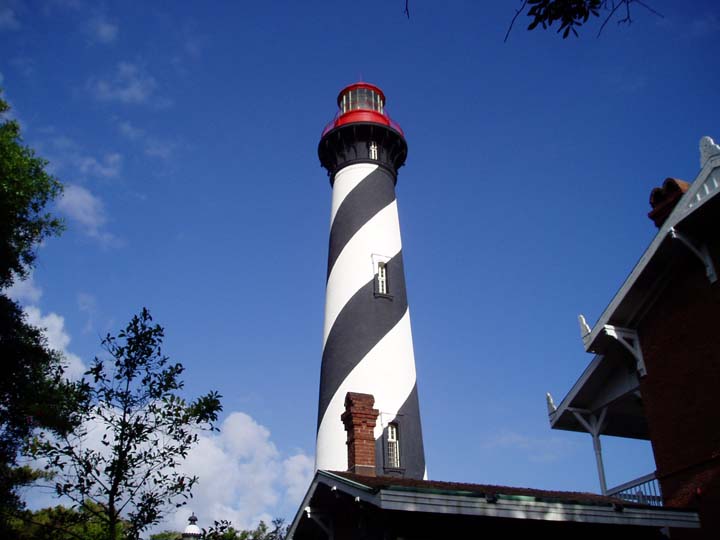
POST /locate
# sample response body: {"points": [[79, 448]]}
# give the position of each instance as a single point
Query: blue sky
{"points": [[186, 136]]}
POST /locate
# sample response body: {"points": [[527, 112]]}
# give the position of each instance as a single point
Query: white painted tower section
{"points": [[388, 370]]}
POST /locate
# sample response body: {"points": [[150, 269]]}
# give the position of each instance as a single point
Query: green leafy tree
{"points": [[166, 535], [223, 530], [147, 430], [277, 531], [33, 391], [61, 523], [26, 189]]}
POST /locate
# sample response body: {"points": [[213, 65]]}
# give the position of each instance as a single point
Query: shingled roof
{"points": [[484, 490]]}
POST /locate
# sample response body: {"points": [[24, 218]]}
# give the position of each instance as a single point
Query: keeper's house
{"points": [[655, 373]]}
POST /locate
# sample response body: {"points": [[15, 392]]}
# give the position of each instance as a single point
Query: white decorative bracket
{"points": [[700, 251], [585, 329], [594, 425], [629, 339], [550, 403]]}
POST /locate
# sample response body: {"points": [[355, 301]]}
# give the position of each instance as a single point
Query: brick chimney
{"points": [[663, 199], [359, 419]]}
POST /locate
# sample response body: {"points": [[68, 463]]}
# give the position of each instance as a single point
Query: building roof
{"points": [[378, 483], [331, 493]]}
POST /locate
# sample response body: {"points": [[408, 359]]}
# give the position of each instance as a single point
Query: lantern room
{"points": [[361, 102], [362, 132], [361, 96]]}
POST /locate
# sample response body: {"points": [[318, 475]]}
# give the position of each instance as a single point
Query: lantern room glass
{"points": [[362, 99]]}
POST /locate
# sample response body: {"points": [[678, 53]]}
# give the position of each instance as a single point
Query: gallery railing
{"points": [[643, 490]]}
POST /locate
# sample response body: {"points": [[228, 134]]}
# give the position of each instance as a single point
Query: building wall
{"points": [[680, 338]]}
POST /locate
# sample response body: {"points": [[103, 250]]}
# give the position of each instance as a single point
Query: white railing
{"points": [[643, 490]]}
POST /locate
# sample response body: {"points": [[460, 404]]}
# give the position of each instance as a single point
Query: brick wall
{"points": [[680, 337]]}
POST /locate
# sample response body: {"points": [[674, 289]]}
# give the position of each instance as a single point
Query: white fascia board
{"points": [[684, 207], [568, 399], [352, 487], [528, 508]]}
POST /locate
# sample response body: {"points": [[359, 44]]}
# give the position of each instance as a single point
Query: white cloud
{"points": [[88, 210], [298, 471], [108, 167], [53, 326], [129, 84], [102, 31], [8, 21], [25, 290], [159, 149], [242, 476], [64, 153], [153, 146], [128, 130], [88, 305]]}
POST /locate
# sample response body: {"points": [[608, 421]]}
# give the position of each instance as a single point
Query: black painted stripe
{"points": [[412, 452], [359, 326], [374, 193]]}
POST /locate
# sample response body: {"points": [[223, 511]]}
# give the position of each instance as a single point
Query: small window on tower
{"points": [[393, 447], [382, 283], [381, 276], [373, 151]]}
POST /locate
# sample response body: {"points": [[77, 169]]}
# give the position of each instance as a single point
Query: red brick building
{"points": [[655, 374]]}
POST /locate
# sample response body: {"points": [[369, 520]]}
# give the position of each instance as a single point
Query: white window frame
{"points": [[379, 263], [382, 285], [393, 446], [373, 150]]}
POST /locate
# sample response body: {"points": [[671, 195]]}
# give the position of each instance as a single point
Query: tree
{"points": [[25, 191], [60, 523], [146, 427], [223, 530], [572, 14], [263, 532], [33, 392]]}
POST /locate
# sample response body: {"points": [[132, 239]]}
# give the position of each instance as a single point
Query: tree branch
{"points": [[512, 22], [612, 12]]}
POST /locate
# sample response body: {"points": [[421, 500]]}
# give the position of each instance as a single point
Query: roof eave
{"points": [[499, 505]]}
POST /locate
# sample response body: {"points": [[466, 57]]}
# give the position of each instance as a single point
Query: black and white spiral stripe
{"points": [[367, 341]]}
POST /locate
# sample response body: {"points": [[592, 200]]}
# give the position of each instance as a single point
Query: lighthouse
{"points": [[367, 339]]}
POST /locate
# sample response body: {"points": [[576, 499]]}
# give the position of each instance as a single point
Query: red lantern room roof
{"points": [[361, 102]]}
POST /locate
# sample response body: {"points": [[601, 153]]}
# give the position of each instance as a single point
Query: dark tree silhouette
{"points": [[147, 429], [572, 14]]}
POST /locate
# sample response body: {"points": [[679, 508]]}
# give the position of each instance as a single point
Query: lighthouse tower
{"points": [[367, 341]]}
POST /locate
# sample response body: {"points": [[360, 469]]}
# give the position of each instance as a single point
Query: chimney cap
{"points": [[663, 199]]}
